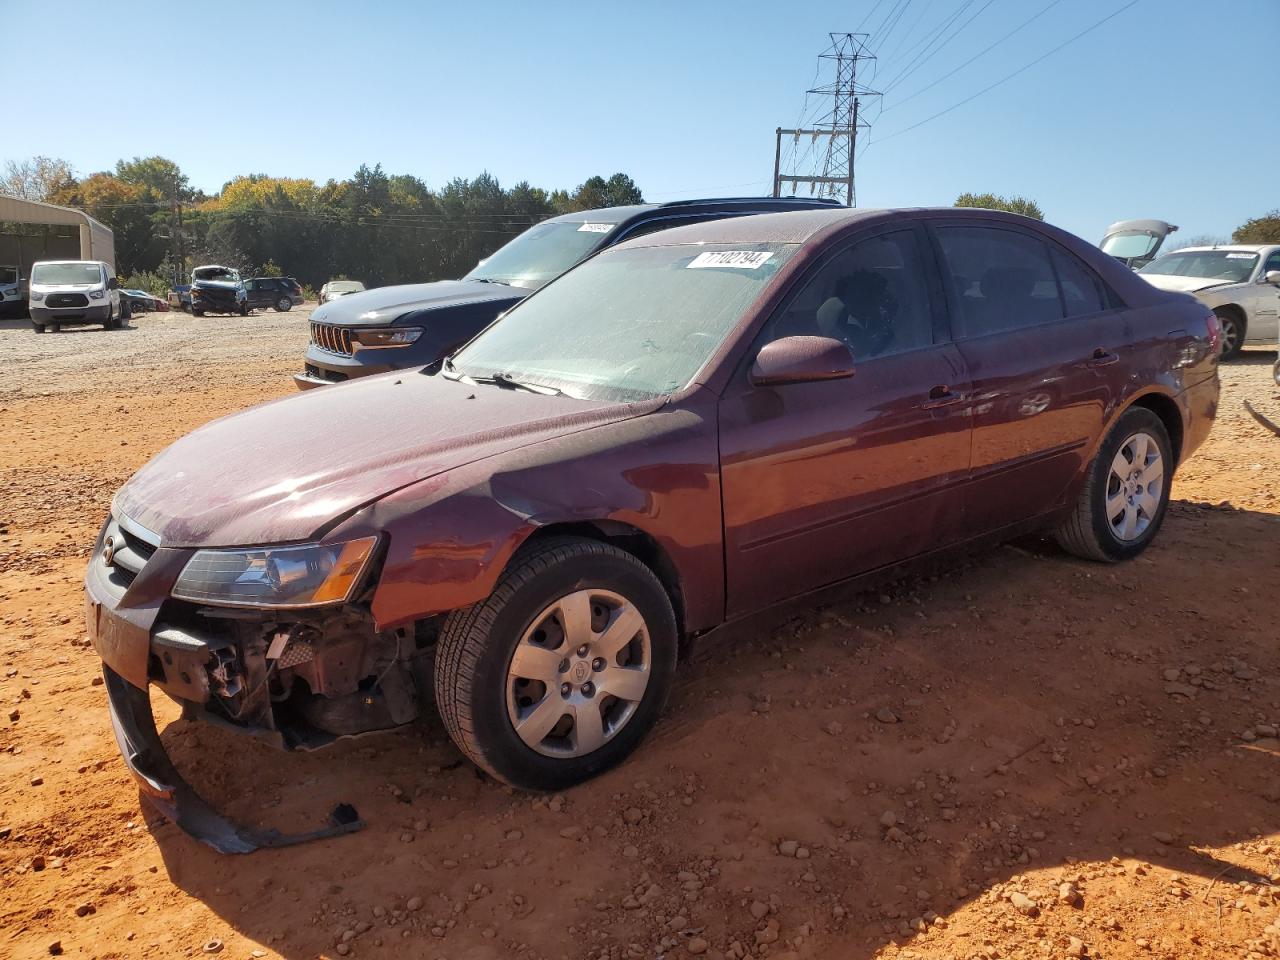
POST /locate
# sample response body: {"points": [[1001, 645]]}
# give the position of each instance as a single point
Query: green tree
{"points": [[991, 201], [1263, 229], [619, 190]]}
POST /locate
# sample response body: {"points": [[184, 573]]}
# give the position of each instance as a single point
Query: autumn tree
{"points": [[35, 179]]}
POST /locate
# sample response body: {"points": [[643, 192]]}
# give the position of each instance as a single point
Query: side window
{"points": [[1001, 279], [1080, 292], [1273, 263], [874, 296]]}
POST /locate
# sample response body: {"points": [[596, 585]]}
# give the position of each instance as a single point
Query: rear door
{"points": [[822, 481], [1047, 356]]}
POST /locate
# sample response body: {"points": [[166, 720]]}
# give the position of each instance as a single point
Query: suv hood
{"points": [[382, 305], [1176, 284], [284, 471]]}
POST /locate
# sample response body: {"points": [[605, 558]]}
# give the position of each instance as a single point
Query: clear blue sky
{"points": [[1168, 110]]}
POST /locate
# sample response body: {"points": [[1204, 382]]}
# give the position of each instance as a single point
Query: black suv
{"points": [[283, 293], [391, 328]]}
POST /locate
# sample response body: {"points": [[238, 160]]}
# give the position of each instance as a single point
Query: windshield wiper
{"points": [[511, 383], [505, 283]]}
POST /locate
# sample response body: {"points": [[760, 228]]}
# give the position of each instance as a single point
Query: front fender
{"points": [[451, 537]]}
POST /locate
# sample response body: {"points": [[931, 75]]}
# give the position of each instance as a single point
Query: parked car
{"points": [[180, 297], [406, 326], [13, 291], [687, 428], [1239, 282], [339, 288], [217, 289], [281, 293], [1135, 243], [142, 302], [65, 292]]}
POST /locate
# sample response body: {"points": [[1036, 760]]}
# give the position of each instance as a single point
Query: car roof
{"points": [[1229, 247], [694, 207]]}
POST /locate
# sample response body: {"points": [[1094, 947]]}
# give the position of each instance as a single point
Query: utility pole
{"points": [[839, 126], [177, 242]]}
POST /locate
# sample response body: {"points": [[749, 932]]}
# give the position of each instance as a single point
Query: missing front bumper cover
{"points": [[168, 792]]}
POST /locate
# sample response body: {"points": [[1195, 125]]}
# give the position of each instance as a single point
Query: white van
{"points": [[75, 291]]}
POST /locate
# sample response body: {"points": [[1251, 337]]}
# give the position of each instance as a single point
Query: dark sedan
{"points": [[685, 429]]}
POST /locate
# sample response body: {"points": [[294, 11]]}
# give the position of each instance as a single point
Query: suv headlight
{"points": [[379, 338], [314, 575], [97, 294]]}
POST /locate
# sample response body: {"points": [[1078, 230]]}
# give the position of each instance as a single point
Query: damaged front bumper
{"points": [[168, 792], [296, 679]]}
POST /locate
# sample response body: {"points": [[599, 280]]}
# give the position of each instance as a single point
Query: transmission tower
{"points": [[840, 125]]}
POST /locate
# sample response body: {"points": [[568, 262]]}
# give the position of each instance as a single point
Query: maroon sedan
{"points": [[683, 430]]}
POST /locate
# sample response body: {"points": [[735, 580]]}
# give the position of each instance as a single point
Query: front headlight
{"points": [[36, 295], [308, 576], [379, 338], [97, 294]]}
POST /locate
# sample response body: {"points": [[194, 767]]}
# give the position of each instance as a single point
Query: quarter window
{"points": [[873, 297], [1001, 279]]}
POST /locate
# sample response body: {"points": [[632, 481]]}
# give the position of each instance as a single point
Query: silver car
{"points": [[1239, 282]]}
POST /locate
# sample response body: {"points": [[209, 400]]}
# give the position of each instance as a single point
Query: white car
{"points": [[1239, 282], [339, 288], [75, 291], [12, 288]]}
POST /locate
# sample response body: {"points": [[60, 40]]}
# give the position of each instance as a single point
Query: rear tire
{"points": [[564, 601], [1125, 493], [1232, 332], [244, 309], [284, 304], [39, 327], [197, 313]]}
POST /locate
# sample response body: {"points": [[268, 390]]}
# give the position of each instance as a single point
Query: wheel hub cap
{"points": [[578, 673], [1135, 487]]}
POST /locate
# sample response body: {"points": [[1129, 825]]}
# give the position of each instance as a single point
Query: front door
{"points": [[822, 481], [1047, 357]]}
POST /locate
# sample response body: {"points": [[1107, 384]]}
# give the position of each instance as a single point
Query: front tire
{"points": [[1232, 332], [39, 327], [560, 673], [1126, 491]]}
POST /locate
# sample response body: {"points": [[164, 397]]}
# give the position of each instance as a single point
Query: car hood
{"points": [[1176, 284], [230, 286], [384, 304], [286, 470]]}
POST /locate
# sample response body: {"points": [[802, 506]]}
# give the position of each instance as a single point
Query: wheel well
{"points": [[1169, 415], [635, 542], [1236, 311]]}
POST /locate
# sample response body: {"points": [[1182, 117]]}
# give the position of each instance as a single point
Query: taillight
{"points": [[1215, 333]]}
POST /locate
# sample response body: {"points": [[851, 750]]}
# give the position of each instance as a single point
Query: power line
{"points": [[927, 42], [1010, 76], [981, 53], [955, 33]]}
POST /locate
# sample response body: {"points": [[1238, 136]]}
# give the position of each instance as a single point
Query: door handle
{"points": [[941, 396], [1102, 358]]}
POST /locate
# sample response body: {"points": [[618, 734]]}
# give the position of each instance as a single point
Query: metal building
{"points": [[31, 231]]}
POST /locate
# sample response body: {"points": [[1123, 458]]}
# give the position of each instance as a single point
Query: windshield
{"points": [[541, 253], [221, 274], [66, 273], [1128, 245], [8, 275], [628, 325], [345, 286], [1229, 266]]}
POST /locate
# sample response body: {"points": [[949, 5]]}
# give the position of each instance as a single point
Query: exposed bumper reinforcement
{"points": [[168, 792]]}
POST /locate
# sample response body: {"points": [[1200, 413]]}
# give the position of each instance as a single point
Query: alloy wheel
{"points": [[578, 673], [1134, 487]]}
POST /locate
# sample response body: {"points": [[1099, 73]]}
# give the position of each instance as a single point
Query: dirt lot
{"points": [[989, 762]]}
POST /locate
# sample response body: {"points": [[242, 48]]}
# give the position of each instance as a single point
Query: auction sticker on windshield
{"points": [[740, 259], [1241, 256], [595, 228]]}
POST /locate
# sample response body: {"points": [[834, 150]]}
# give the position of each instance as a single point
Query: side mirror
{"points": [[113, 284], [801, 360], [1272, 277]]}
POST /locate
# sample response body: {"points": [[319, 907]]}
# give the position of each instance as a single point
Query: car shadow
{"points": [[871, 768]]}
